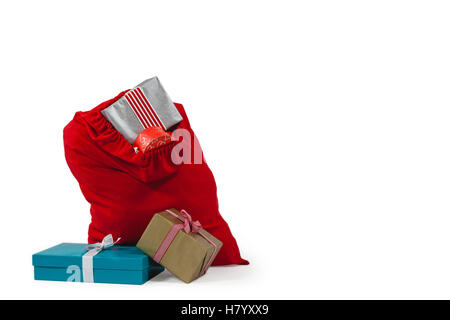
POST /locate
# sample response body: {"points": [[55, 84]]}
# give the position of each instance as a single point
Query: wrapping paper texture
{"points": [[152, 138]]}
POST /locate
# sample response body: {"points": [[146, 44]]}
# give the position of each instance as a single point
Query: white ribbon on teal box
{"points": [[88, 257]]}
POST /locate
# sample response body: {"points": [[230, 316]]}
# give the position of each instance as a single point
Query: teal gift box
{"points": [[115, 264]]}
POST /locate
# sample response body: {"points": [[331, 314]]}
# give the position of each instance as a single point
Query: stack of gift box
{"points": [[172, 240]]}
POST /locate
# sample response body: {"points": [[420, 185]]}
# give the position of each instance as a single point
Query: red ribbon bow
{"points": [[189, 225]]}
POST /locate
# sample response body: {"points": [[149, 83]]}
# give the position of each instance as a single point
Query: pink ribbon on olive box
{"points": [[189, 255]]}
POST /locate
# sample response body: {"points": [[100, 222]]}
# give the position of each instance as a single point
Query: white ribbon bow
{"points": [[88, 257]]}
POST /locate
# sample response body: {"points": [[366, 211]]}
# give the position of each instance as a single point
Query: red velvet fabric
{"points": [[125, 189]]}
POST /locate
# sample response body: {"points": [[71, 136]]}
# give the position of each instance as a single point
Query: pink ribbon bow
{"points": [[189, 225]]}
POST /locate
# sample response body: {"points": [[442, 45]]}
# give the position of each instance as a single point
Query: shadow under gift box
{"points": [[118, 264], [187, 255]]}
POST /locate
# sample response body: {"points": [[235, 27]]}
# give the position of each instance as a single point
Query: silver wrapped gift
{"points": [[146, 105]]}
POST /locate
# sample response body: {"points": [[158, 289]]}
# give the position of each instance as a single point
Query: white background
{"points": [[326, 124]]}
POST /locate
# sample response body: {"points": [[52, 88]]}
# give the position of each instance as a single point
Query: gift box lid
{"points": [[114, 258]]}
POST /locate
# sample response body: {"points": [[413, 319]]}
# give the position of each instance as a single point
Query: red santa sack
{"points": [[125, 188]]}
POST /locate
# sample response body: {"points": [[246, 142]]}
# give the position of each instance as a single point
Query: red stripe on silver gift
{"points": [[144, 111], [150, 121], [136, 111], [144, 108], [150, 108]]}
